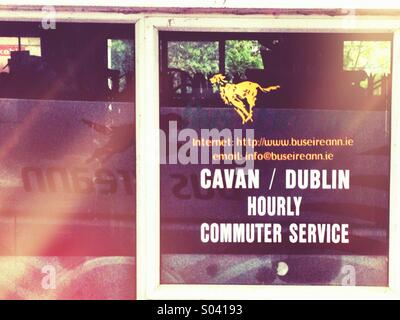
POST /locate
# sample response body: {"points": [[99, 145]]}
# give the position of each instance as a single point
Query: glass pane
{"points": [[67, 169], [269, 174]]}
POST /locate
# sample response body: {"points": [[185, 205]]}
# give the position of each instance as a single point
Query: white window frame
{"points": [[148, 146]]}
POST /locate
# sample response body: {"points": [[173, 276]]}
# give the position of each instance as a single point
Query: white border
{"points": [[234, 4], [148, 255], [394, 231], [147, 120]]}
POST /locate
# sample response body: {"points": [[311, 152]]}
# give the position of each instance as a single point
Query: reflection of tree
{"points": [[193, 56], [122, 55], [122, 58], [203, 56], [242, 55], [371, 56]]}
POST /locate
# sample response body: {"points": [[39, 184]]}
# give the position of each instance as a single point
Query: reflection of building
{"points": [[71, 62], [10, 44]]}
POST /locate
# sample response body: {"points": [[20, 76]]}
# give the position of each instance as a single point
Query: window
{"points": [[306, 107], [67, 169]]}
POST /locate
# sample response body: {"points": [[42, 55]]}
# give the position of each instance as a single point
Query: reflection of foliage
{"points": [[122, 58], [242, 55], [371, 56], [190, 56], [203, 56], [122, 55]]}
